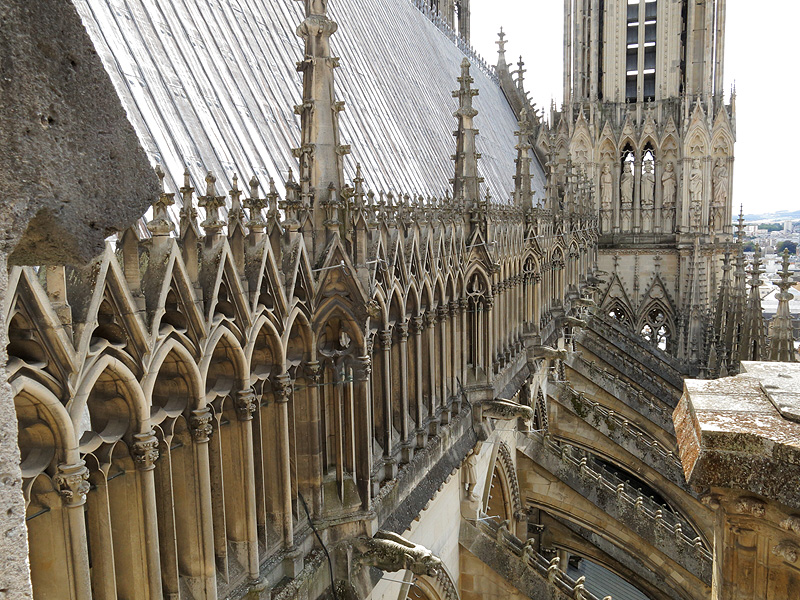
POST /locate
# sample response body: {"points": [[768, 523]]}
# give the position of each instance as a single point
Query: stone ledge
{"points": [[732, 435]]}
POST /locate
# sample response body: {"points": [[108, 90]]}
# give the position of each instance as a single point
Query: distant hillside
{"points": [[773, 217]]}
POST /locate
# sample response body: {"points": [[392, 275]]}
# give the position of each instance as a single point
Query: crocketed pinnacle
{"points": [[524, 194], [781, 347], [753, 341], [320, 153], [502, 64], [466, 183]]}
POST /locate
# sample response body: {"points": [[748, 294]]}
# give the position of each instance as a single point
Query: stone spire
{"points": [[738, 294], [502, 65], [753, 342], [781, 347], [520, 73], [523, 177], [320, 153], [466, 184], [724, 325]]}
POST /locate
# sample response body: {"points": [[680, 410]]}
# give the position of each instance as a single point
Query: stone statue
{"points": [[670, 185], [470, 473], [506, 410], [696, 187], [391, 552], [606, 188], [720, 180], [626, 186], [648, 185]]}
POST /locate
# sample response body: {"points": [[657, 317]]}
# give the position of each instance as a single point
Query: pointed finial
{"points": [[161, 225], [212, 203], [160, 174]]}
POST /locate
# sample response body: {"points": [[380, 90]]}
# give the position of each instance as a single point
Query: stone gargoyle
{"points": [[586, 302], [549, 353], [391, 552], [574, 322], [505, 410]]}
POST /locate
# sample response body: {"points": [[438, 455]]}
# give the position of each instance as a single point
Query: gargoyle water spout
{"points": [[389, 551], [506, 410]]}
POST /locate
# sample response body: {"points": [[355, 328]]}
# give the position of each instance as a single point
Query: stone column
{"points": [[416, 325], [386, 376], [455, 354], [314, 485], [430, 323], [441, 313], [363, 428], [145, 453], [402, 343], [246, 405], [283, 391], [463, 305], [73, 485], [201, 428], [490, 341], [637, 183]]}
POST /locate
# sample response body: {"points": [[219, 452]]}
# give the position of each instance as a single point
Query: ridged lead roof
{"points": [[212, 84]]}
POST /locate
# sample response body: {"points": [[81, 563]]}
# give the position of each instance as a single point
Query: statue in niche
{"points": [[626, 186], [696, 190], [648, 185], [669, 184], [606, 188], [720, 181]]}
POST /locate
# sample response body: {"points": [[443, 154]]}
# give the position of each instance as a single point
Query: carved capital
{"points": [[145, 451], [362, 368], [200, 424], [442, 312], [245, 404], [283, 387], [314, 370], [463, 304], [416, 325], [386, 339], [72, 483], [430, 319], [402, 331]]}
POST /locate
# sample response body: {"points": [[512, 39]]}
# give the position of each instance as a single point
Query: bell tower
{"points": [[643, 50], [645, 116]]}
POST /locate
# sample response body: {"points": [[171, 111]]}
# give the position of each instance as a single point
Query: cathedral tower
{"points": [[645, 116]]}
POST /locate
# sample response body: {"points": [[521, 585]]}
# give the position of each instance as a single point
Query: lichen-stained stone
{"points": [[71, 167], [732, 435]]}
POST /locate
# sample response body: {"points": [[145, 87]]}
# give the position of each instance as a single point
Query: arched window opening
{"points": [[655, 329], [498, 503]]}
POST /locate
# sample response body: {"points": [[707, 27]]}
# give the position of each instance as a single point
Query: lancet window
{"points": [[640, 61]]}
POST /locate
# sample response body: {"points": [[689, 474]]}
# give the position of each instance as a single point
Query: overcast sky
{"points": [[761, 57]]}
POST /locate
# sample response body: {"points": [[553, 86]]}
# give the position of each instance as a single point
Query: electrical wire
{"points": [[321, 543]]}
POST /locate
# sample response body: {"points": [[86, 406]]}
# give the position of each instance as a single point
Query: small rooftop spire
{"points": [[212, 203], [753, 342], [501, 50], [161, 225], [781, 334]]}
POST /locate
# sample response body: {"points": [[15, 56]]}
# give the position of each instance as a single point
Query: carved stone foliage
{"points": [[72, 483]]}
